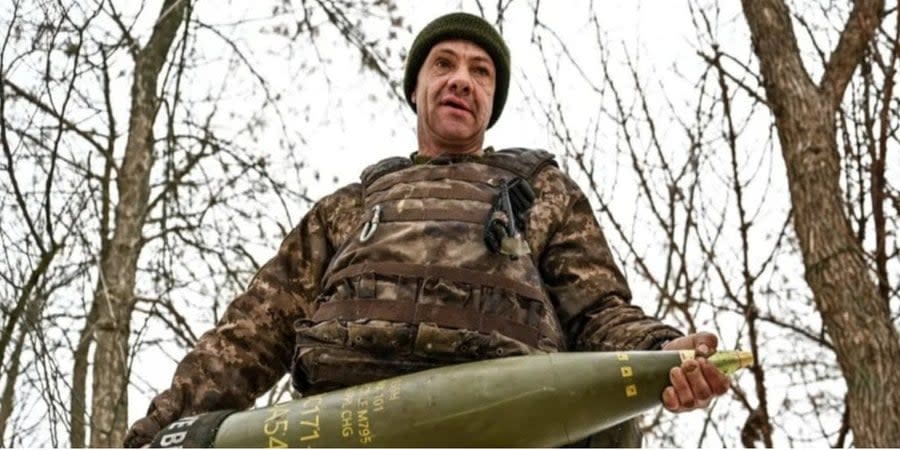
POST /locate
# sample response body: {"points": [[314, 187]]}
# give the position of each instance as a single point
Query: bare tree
{"points": [[856, 316], [691, 239], [709, 237], [145, 218], [31, 250], [113, 301]]}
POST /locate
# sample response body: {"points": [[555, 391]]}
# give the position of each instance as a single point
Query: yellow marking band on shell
{"points": [[686, 355], [626, 371], [622, 356]]}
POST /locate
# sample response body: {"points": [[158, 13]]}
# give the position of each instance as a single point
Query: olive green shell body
{"points": [[534, 401]]}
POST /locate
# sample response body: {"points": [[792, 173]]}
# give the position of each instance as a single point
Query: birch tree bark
{"points": [[856, 317], [114, 299]]}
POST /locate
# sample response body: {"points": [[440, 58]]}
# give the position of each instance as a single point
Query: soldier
{"points": [[457, 253]]}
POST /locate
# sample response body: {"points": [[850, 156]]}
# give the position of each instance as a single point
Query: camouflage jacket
{"points": [[251, 347]]}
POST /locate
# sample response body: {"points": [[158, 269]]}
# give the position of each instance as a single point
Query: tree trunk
{"points": [[113, 301], [856, 317], [79, 382], [7, 401]]}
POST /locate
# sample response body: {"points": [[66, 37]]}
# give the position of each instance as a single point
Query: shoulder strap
{"points": [[523, 162], [382, 168]]}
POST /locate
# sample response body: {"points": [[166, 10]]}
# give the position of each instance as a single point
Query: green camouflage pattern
{"points": [[361, 348], [252, 346]]}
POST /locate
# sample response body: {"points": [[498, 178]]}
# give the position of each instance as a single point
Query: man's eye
{"points": [[442, 63], [482, 71]]}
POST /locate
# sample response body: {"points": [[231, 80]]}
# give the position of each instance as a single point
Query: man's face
{"points": [[454, 93]]}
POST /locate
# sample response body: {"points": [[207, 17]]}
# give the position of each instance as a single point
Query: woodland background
{"points": [[743, 159]]}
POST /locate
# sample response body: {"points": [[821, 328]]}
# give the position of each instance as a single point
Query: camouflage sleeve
{"points": [[590, 293], [250, 348]]}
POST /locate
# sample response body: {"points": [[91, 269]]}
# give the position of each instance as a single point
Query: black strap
{"points": [[192, 432], [508, 215]]}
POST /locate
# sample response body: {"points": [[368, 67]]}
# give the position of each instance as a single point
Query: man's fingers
{"points": [[141, 433], [682, 388], [670, 399], [682, 343], [694, 384], [697, 380], [717, 381], [705, 343]]}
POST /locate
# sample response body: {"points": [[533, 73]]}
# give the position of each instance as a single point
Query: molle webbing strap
{"points": [[461, 172], [454, 274], [391, 213], [521, 161], [384, 167], [446, 316], [441, 193]]}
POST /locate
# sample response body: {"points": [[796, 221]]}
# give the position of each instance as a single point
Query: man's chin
{"points": [[452, 125], [457, 136]]}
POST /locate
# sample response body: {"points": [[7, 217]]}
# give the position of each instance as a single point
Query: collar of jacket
{"points": [[416, 158]]}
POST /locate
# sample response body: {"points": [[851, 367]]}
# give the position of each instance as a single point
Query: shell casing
{"points": [[535, 401]]}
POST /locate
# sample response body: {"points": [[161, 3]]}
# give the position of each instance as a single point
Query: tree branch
{"points": [[69, 125], [861, 26]]}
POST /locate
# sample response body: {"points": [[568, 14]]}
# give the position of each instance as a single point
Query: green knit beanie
{"points": [[460, 26]]}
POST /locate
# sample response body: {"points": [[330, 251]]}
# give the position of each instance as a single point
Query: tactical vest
{"points": [[415, 286]]}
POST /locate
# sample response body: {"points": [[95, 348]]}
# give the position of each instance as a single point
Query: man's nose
{"points": [[460, 82]]}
